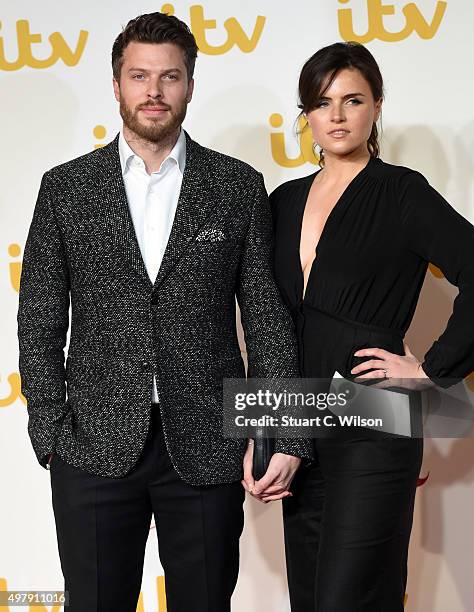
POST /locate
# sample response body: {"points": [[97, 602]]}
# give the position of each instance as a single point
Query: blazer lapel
{"points": [[196, 202], [112, 197]]}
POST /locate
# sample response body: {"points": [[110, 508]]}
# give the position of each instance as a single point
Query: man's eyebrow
{"points": [[349, 95], [167, 71]]}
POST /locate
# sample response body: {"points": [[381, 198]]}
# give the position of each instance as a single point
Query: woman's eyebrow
{"points": [[349, 95]]}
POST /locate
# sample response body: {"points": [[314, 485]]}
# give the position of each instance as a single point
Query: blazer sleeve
{"points": [[43, 321], [269, 334], [440, 235]]}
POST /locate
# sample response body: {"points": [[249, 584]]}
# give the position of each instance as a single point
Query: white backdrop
{"points": [[57, 103]]}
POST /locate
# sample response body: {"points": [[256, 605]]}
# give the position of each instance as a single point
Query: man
{"points": [[150, 238]]}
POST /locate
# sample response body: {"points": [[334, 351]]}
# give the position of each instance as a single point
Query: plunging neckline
{"points": [[303, 290]]}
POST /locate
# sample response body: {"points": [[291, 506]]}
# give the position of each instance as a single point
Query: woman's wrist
{"points": [[421, 372]]}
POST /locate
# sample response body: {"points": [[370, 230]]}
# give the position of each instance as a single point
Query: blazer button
{"points": [[154, 300], [145, 366]]}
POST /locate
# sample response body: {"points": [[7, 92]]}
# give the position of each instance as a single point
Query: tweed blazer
{"points": [[82, 251]]}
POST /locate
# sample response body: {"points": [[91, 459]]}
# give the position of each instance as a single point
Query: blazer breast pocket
{"points": [[213, 235], [215, 242]]}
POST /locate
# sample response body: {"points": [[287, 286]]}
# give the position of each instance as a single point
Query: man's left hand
{"points": [[276, 482]]}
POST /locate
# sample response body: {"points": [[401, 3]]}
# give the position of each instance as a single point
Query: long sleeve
{"points": [[269, 334], [43, 320], [438, 234]]}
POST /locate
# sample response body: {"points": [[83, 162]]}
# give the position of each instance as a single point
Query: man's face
{"points": [[153, 90]]}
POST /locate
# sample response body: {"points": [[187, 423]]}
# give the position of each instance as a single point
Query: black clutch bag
{"points": [[263, 450]]}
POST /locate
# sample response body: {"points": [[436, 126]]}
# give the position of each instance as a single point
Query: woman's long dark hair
{"points": [[321, 69]]}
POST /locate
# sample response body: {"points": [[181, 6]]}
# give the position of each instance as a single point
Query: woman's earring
{"points": [[320, 155]]}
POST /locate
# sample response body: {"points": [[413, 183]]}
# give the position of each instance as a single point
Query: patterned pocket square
{"points": [[211, 235]]}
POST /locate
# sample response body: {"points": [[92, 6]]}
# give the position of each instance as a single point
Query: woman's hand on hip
{"points": [[397, 370]]}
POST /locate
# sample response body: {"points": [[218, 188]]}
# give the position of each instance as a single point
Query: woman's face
{"points": [[342, 121]]}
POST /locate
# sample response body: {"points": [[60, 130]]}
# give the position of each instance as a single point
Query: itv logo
{"points": [[59, 49], [376, 12]]}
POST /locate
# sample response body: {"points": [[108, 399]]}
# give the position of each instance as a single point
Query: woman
{"points": [[352, 246]]}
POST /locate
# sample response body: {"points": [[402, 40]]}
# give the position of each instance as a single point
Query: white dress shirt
{"points": [[152, 200]]}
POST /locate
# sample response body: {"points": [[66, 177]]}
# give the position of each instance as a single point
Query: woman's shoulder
{"points": [[395, 172], [289, 190], [409, 188]]}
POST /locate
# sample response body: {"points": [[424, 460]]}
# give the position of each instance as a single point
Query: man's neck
{"points": [[152, 153]]}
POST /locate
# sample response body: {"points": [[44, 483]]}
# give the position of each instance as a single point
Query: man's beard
{"points": [[153, 129]]}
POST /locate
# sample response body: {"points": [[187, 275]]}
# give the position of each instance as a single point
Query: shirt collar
{"points": [[177, 153]]}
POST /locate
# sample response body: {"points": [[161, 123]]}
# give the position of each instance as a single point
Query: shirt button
{"points": [[145, 366]]}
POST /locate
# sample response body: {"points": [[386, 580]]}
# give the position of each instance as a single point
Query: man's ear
{"points": [[189, 96], [116, 89]]}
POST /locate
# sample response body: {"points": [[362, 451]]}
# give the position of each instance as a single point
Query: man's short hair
{"points": [[155, 28]]}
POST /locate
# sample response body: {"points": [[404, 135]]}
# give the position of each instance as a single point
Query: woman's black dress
{"points": [[347, 527]]}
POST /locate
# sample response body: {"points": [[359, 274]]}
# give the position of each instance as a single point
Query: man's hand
{"points": [[277, 479], [248, 482]]}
